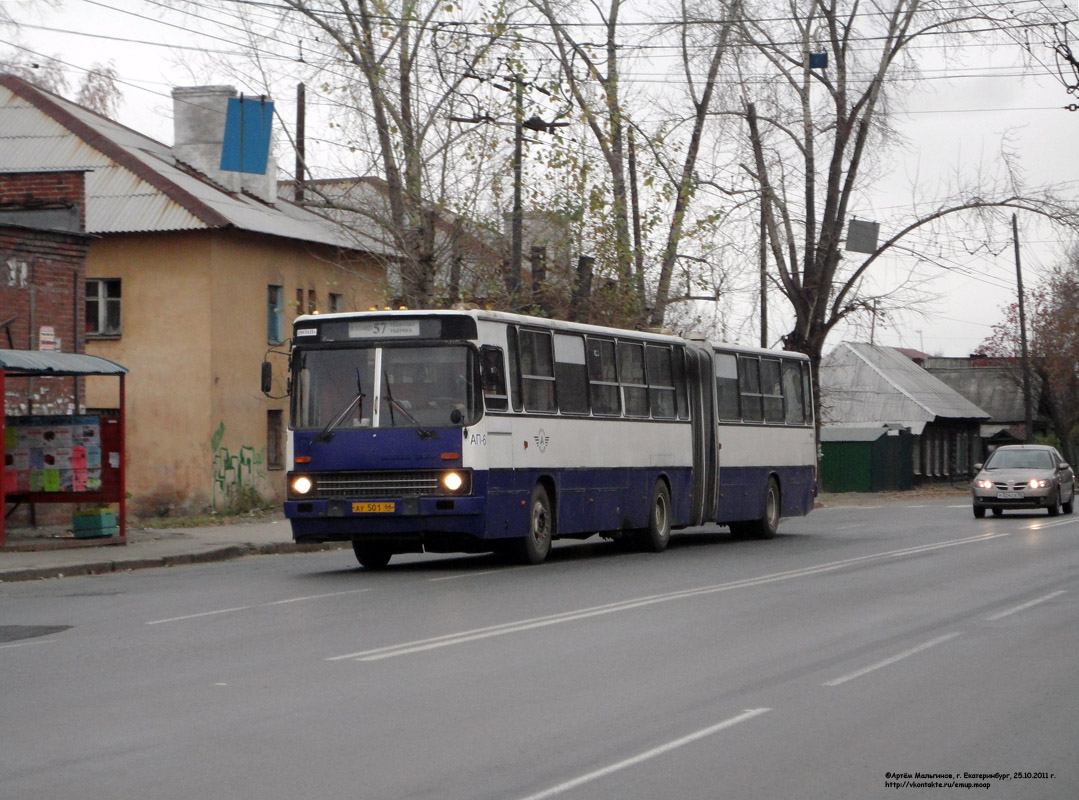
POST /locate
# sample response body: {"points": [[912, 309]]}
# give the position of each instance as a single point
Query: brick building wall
{"points": [[42, 281]]}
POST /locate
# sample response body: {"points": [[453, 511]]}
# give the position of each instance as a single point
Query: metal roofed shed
{"points": [[867, 386], [866, 459], [63, 459]]}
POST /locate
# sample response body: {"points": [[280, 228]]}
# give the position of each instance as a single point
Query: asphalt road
{"points": [[859, 644]]}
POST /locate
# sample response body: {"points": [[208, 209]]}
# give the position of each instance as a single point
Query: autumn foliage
{"points": [[1052, 312]]}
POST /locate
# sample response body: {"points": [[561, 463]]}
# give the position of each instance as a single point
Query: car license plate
{"points": [[1009, 495], [372, 508]]}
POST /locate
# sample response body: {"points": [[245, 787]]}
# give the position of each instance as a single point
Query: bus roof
{"points": [[554, 324]]}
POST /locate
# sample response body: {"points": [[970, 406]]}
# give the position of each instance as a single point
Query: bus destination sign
{"points": [[383, 328]]}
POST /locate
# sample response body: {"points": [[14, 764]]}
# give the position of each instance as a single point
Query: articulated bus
{"points": [[483, 431]]}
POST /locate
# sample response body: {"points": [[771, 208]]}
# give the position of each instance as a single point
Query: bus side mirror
{"points": [[267, 377]]}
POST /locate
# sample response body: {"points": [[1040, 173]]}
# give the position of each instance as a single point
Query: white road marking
{"points": [[256, 605], [476, 634], [648, 754], [888, 661], [1037, 526], [27, 644], [1024, 606]]}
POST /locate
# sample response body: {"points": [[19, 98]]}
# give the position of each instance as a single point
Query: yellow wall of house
{"points": [[194, 324]]}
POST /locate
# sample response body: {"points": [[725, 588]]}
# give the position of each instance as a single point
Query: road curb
{"points": [[225, 553]]}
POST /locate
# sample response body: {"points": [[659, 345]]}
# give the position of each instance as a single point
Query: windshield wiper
{"points": [[422, 431], [326, 434]]}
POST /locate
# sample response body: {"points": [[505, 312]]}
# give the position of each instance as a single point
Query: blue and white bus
{"points": [[480, 431]]}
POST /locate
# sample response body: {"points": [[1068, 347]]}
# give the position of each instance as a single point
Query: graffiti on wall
{"points": [[235, 473]]}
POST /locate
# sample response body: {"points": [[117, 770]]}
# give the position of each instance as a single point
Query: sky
{"points": [[954, 123]]}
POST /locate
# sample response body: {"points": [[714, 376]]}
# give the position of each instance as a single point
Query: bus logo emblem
{"points": [[541, 440]]}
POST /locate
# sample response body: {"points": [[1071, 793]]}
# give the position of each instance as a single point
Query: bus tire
{"points": [[768, 524], [371, 556], [534, 547], [657, 535]]}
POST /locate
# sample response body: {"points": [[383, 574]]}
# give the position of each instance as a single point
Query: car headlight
{"points": [[1038, 483], [457, 482], [983, 484], [301, 485]]}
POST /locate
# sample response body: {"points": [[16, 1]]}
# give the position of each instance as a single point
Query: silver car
{"points": [[1023, 476]]}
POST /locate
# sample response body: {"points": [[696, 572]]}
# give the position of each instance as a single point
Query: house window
{"points": [[312, 302], [275, 314], [275, 439], [337, 302], [103, 307]]}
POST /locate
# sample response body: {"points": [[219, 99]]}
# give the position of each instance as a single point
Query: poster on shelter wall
{"points": [[52, 454]]}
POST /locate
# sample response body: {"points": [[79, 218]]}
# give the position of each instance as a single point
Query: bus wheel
{"points": [[655, 537], [371, 556], [533, 548], [768, 524]]}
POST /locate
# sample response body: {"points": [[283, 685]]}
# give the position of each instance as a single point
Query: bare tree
{"points": [[818, 77], [1053, 333], [397, 72], [701, 94], [581, 72]]}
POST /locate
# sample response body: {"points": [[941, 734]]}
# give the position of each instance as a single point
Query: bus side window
{"points": [[631, 376], [537, 371], [749, 384], [660, 381], [807, 388], [602, 378], [493, 378], [792, 393], [515, 370], [571, 374], [727, 387], [772, 390], [681, 396]]}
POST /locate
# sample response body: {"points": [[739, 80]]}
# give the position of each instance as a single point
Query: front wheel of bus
{"points": [[657, 535], [371, 556], [533, 548], [768, 524]]}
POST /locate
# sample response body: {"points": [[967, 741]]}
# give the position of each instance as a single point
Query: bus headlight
{"points": [[301, 485], [455, 482]]}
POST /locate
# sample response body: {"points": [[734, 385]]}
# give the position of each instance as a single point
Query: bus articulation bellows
{"points": [[480, 431]]}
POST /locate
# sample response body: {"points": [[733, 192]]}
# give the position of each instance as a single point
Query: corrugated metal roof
{"points": [[134, 183], [833, 434], [866, 384], [43, 362]]}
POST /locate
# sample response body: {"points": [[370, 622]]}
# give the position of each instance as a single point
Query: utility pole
{"points": [[301, 141], [515, 226], [764, 273], [1028, 411]]}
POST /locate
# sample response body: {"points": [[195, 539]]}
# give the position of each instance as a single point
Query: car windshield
{"points": [[416, 387], [1021, 459]]}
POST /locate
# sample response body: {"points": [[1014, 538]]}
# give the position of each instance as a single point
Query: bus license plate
{"points": [[1009, 495], [372, 508]]}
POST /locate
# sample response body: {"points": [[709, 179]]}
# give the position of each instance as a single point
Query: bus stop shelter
{"points": [[61, 458]]}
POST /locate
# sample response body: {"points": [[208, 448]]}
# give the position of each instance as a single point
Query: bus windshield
{"points": [[416, 387]]}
